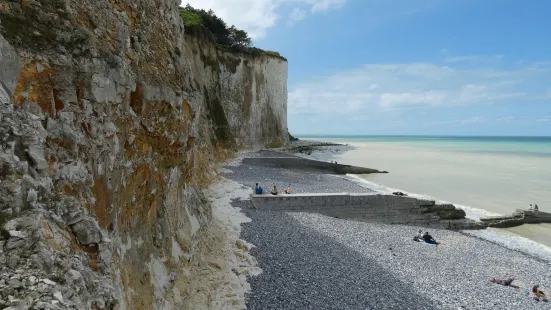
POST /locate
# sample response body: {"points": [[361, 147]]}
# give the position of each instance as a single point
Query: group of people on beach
{"points": [[534, 208], [259, 191], [534, 292], [426, 237]]}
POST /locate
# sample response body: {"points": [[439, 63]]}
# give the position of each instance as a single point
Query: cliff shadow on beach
{"points": [[303, 269]]}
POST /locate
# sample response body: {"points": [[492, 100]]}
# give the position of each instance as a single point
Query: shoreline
{"points": [[310, 260], [527, 231]]}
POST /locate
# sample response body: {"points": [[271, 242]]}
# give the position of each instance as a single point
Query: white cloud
{"points": [[473, 59], [467, 121], [507, 119], [478, 120], [525, 119], [296, 15], [390, 87], [460, 58], [256, 16], [325, 5]]}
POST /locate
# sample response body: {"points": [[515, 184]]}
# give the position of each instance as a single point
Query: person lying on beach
{"points": [[429, 239], [504, 282], [537, 294], [288, 190], [274, 189], [419, 236]]}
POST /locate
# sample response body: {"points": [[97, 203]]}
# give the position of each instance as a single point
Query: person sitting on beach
{"points": [[274, 189], [536, 208], [504, 282], [419, 236], [288, 190], [537, 294], [530, 207], [429, 239]]}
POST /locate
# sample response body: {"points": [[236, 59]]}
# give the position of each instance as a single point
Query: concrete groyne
{"points": [[294, 162], [381, 208]]}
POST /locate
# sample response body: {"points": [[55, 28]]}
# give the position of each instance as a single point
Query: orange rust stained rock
{"points": [[67, 188], [130, 15], [59, 142], [36, 86], [103, 202], [187, 111], [138, 185], [58, 104], [139, 281]]}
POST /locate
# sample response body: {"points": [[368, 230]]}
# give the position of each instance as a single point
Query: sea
{"points": [[486, 176]]}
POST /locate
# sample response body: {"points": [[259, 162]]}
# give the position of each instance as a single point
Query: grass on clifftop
{"points": [[190, 18]]}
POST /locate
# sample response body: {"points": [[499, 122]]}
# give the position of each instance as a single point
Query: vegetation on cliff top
{"points": [[206, 25]]}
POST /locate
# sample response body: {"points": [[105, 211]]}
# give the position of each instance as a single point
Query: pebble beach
{"points": [[310, 261]]}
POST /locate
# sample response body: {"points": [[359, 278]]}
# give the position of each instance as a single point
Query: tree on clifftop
{"points": [[239, 37], [215, 27]]}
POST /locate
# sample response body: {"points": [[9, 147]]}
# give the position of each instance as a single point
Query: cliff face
{"points": [[110, 124], [247, 94]]}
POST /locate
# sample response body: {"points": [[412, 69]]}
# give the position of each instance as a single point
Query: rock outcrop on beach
{"points": [[111, 122]]}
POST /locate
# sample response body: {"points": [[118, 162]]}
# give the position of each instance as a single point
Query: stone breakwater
{"points": [[285, 161], [380, 208], [518, 218]]}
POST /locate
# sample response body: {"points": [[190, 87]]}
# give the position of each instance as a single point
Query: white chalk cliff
{"points": [[111, 123]]}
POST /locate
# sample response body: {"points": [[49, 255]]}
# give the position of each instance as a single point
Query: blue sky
{"points": [[441, 67]]}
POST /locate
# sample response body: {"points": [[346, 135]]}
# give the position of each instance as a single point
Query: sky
{"points": [[406, 67]]}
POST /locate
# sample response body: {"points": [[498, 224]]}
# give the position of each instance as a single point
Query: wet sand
{"points": [[484, 184], [540, 233]]}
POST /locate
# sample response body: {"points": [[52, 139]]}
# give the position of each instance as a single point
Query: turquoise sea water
{"points": [[523, 146], [490, 175]]}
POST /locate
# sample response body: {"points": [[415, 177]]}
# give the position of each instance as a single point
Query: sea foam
{"points": [[498, 236]]}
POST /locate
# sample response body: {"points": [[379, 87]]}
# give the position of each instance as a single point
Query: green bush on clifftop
{"points": [[206, 25], [215, 27]]}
